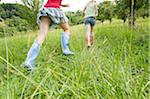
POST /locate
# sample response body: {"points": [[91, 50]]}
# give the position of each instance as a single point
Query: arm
{"points": [[84, 9], [96, 9], [65, 5]]}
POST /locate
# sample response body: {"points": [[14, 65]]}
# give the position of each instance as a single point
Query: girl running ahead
{"points": [[91, 11]]}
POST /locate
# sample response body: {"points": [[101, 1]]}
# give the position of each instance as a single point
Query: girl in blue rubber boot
{"points": [[90, 11], [49, 14]]}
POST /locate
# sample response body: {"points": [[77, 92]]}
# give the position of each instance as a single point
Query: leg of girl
{"points": [[65, 37], [35, 48], [92, 35], [88, 33]]}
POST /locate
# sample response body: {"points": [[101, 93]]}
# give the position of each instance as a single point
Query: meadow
{"points": [[116, 67]]}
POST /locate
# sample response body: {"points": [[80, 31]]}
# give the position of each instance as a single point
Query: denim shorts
{"points": [[90, 20]]}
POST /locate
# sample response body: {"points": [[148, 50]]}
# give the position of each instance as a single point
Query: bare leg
{"points": [[92, 29], [44, 25], [92, 35], [65, 27], [88, 33]]}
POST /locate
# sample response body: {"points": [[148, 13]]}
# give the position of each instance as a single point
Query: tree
{"points": [[138, 8], [10, 10], [132, 16], [34, 6], [142, 8], [127, 8], [75, 18], [7, 10], [122, 9], [105, 10]]}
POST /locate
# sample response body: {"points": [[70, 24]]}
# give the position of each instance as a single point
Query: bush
{"points": [[75, 18], [7, 11], [106, 11], [2, 25], [18, 23], [13, 25]]}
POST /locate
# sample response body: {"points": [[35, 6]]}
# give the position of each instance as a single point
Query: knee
{"points": [[66, 29]]}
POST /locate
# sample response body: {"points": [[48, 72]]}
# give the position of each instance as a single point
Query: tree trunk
{"points": [[132, 16], [134, 12]]}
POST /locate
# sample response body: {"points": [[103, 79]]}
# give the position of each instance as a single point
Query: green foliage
{"points": [[2, 26], [9, 10], [122, 8], [116, 67], [29, 15], [101, 15], [18, 23], [143, 8], [34, 6], [13, 25], [75, 18], [105, 10]]}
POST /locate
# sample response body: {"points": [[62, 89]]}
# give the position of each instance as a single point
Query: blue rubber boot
{"points": [[65, 37], [32, 55]]}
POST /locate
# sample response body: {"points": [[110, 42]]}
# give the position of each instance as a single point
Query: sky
{"points": [[74, 4]]}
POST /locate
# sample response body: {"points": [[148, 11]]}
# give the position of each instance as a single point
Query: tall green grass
{"points": [[115, 67]]}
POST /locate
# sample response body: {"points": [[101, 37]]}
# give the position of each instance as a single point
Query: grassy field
{"points": [[115, 68]]}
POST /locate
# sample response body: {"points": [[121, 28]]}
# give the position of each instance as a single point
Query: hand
{"points": [[65, 5]]}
